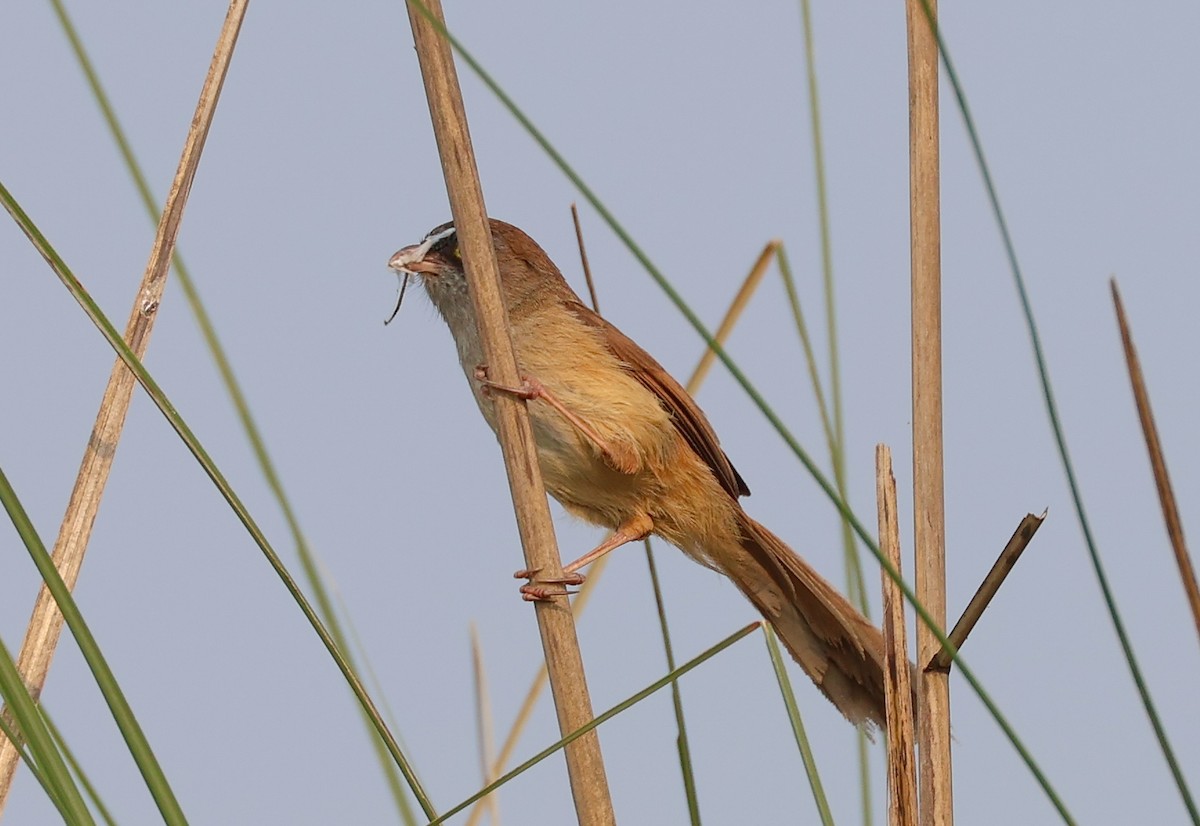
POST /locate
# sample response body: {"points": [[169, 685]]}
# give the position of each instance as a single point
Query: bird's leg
{"points": [[631, 530], [619, 457]]}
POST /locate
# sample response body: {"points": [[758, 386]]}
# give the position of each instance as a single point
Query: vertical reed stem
{"points": [[585, 765], [928, 493]]}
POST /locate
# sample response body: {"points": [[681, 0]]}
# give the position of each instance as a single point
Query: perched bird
{"points": [[621, 444]]}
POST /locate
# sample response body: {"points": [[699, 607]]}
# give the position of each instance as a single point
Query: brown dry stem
{"points": [[1158, 462], [929, 518], [987, 589], [585, 765]]}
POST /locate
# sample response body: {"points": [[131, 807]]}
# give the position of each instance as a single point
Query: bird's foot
{"points": [[529, 388], [542, 590]]}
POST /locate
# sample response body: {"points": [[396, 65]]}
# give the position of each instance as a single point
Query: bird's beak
{"points": [[412, 259]]}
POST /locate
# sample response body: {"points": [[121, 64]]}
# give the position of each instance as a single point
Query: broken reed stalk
{"points": [[929, 522], [1158, 462], [585, 765], [987, 589], [897, 677], [45, 625]]}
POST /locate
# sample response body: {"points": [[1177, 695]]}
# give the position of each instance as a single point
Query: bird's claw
{"points": [[538, 590]]}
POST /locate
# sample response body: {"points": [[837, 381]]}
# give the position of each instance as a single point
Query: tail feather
{"points": [[839, 649]]}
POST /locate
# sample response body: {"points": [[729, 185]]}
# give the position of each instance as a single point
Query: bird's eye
{"points": [[457, 255]]}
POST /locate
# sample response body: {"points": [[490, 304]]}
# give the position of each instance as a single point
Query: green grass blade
{"points": [[810, 358], [855, 583], [77, 769], [14, 736], [1060, 438], [793, 711], [20, 727], [139, 747], [837, 438], [681, 740], [193, 444]]}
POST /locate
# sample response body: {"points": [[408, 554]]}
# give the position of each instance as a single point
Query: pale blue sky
{"points": [[690, 121]]}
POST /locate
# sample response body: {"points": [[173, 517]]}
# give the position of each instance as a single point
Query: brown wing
{"points": [[685, 413]]}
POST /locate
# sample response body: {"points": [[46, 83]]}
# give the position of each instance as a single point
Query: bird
{"points": [[621, 444]]}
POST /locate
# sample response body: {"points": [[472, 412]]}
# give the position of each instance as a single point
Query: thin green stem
{"points": [[19, 741], [77, 769], [789, 285], [681, 741], [855, 582], [793, 711]]}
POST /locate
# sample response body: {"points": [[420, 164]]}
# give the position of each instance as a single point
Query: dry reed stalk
{"points": [[585, 764], [928, 482], [897, 678], [1158, 462], [987, 589], [45, 625], [753, 279]]}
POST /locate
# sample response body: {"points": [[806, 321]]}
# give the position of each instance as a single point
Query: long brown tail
{"points": [[831, 640]]}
